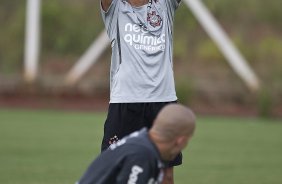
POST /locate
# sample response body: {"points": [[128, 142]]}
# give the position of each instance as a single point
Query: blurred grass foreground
{"points": [[203, 78], [48, 147]]}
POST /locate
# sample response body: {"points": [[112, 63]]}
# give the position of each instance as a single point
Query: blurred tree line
{"points": [[70, 26]]}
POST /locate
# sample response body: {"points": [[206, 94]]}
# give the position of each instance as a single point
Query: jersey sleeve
{"points": [[110, 16], [172, 4], [171, 7], [136, 169]]}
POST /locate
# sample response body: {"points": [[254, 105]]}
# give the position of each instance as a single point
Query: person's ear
{"points": [[182, 141]]}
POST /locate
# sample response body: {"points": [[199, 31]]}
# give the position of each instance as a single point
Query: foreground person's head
{"points": [[172, 129]]}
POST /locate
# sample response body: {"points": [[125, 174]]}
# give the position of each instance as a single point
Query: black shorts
{"points": [[125, 118]]}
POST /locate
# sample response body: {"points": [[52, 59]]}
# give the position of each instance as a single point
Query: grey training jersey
{"points": [[142, 48]]}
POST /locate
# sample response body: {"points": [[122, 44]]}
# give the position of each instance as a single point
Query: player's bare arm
{"points": [[106, 4]]}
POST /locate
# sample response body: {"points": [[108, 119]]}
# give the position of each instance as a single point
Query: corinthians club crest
{"points": [[154, 19]]}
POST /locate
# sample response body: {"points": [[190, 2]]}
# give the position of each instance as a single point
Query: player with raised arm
{"points": [[139, 158], [141, 75]]}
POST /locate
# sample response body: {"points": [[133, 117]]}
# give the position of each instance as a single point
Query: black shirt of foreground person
{"points": [[132, 160]]}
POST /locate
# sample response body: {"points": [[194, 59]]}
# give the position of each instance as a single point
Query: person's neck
{"points": [[137, 3], [161, 146]]}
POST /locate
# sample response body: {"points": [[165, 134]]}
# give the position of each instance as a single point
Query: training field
{"points": [[55, 147]]}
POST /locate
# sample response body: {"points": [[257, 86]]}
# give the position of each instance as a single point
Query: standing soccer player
{"points": [[141, 76]]}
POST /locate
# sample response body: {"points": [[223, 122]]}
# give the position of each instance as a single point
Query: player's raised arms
{"points": [[106, 4]]}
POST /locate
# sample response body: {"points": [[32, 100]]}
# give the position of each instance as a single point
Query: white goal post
{"points": [[89, 58], [233, 56], [32, 40]]}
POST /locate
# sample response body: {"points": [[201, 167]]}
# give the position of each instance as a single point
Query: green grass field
{"points": [[49, 147]]}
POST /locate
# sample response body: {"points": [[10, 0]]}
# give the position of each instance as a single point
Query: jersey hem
{"points": [[142, 100]]}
